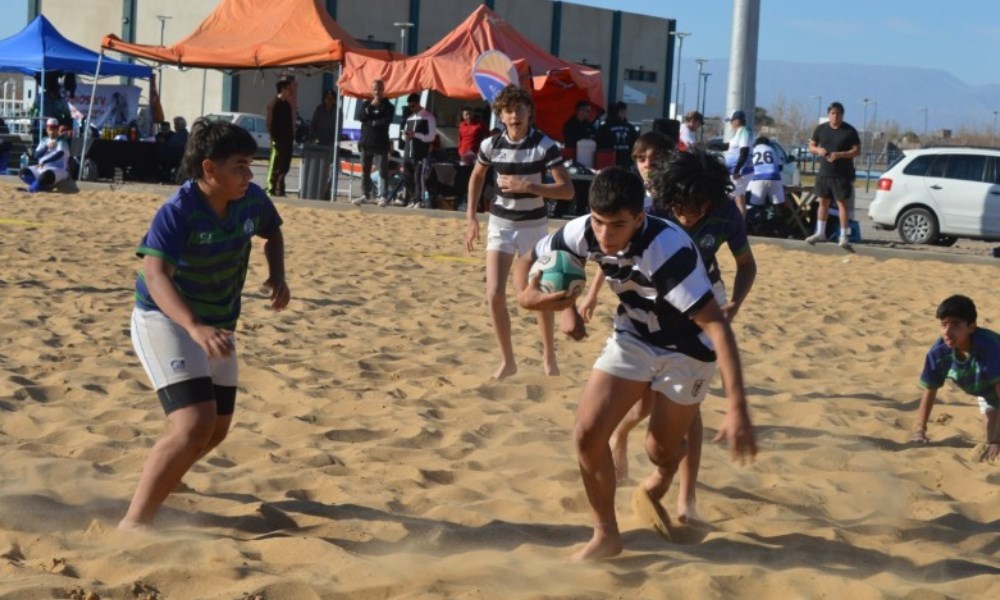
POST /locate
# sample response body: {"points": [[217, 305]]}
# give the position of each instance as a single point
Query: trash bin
{"points": [[316, 161]]}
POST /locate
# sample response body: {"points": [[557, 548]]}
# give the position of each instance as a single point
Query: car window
{"points": [[967, 167], [259, 124], [937, 166], [919, 165], [245, 123]]}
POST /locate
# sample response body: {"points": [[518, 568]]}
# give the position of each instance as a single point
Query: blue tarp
{"points": [[39, 47]]}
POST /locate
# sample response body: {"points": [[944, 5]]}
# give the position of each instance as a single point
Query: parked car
{"points": [[937, 195], [790, 173], [255, 124]]}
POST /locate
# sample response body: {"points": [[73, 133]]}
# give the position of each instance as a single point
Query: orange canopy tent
{"points": [[256, 34], [446, 67]]}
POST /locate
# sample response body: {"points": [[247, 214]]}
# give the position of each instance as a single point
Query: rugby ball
{"points": [[561, 272]]}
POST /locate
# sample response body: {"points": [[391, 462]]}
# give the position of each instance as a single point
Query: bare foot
{"points": [[651, 513], [619, 454], [136, 527], [551, 366], [600, 546], [505, 370], [687, 511]]}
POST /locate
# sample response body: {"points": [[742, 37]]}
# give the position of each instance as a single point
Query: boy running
{"points": [[969, 356], [668, 335], [520, 155], [194, 264]]}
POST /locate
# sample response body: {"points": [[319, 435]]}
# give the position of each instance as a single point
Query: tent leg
{"points": [[90, 112], [41, 109], [336, 136]]}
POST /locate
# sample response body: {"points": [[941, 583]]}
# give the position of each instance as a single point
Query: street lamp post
{"points": [[680, 35], [819, 107], [159, 71], [704, 92], [403, 26], [993, 133], [701, 65]]}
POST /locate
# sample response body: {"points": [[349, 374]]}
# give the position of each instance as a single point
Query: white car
{"points": [[256, 125], [937, 195]]}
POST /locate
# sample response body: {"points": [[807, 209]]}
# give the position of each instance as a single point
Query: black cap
{"points": [[738, 115]]}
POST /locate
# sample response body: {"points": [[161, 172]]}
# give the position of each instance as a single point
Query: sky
{"points": [[958, 36]]}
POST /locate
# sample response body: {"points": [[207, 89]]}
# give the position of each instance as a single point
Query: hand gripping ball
{"points": [[561, 271]]}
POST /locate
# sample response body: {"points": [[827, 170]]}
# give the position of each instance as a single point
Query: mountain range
{"points": [[898, 94]]}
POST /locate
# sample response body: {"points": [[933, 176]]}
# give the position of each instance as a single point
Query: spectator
{"points": [[837, 143], [281, 127], [738, 158], [616, 133], [689, 130], [323, 126], [53, 161], [163, 133], [471, 133], [376, 117], [579, 126], [419, 132], [180, 136]]}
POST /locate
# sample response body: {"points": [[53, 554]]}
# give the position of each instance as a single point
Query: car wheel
{"points": [[945, 240], [918, 226]]}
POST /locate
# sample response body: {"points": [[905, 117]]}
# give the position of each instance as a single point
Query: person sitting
{"points": [[53, 161], [163, 133]]}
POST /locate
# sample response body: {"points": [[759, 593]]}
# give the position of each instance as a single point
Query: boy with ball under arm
{"points": [[970, 356], [669, 335]]}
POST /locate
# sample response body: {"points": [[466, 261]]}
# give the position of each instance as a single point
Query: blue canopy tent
{"points": [[39, 47]]}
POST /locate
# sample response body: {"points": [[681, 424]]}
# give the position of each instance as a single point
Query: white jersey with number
{"points": [[766, 163], [741, 139]]}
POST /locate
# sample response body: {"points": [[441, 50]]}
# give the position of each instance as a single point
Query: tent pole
{"points": [[90, 112], [336, 135], [204, 77], [41, 109]]}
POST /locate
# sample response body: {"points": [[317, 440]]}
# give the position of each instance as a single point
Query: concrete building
{"points": [[635, 53]]}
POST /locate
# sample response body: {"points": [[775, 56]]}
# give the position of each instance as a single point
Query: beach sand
{"points": [[372, 458]]}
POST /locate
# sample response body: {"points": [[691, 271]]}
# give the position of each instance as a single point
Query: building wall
{"points": [[585, 34]]}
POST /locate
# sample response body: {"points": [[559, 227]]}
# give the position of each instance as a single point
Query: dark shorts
{"points": [[838, 188], [196, 391]]}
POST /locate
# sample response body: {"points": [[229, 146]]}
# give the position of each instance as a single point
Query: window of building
{"points": [[640, 75]]}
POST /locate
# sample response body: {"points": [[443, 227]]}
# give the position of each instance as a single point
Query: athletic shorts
{"points": [[985, 405], [512, 237], [763, 190], [740, 185], [837, 188], [677, 376], [181, 372]]}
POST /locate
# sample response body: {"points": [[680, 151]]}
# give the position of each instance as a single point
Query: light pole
{"points": [[403, 26], [680, 35], [704, 92], [993, 133], [819, 107], [159, 71], [924, 110], [701, 65]]}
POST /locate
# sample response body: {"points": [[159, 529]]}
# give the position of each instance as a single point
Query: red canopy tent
{"points": [[446, 67]]}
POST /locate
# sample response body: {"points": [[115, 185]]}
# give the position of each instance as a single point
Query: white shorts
{"points": [[740, 185], [510, 237], [169, 355], [677, 376], [61, 174], [984, 406], [763, 190]]}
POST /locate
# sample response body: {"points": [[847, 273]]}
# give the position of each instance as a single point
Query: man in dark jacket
{"points": [[579, 126], [376, 117], [281, 127], [616, 133]]}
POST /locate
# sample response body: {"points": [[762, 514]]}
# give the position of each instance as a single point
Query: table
{"points": [[139, 161]]}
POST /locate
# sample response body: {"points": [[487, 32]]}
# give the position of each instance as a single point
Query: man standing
{"points": [[738, 158], [617, 134], [579, 126], [837, 143], [281, 127], [376, 117], [419, 133]]}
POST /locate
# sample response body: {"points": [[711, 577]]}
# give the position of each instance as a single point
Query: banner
{"points": [[114, 105]]}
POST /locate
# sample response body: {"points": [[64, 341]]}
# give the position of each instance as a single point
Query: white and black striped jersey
{"points": [[529, 158], [660, 281]]}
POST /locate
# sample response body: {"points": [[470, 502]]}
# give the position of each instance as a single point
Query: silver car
{"points": [[937, 195]]}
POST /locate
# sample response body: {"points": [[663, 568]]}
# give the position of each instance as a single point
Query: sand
{"points": [[372, 458]]}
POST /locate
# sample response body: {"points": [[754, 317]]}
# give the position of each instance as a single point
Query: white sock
{"points": [[820, 227], [845, 233]]}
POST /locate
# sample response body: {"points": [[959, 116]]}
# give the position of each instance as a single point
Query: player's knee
{"points": [[666, 456], [196, 436], [496, 295], [590, 443]]}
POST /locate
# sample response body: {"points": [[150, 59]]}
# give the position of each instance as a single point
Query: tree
{"points": [[761, 118]]}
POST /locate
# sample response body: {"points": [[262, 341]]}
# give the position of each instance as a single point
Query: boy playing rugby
{"points": [[969, 356], [669, 333], [520, 155]]}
